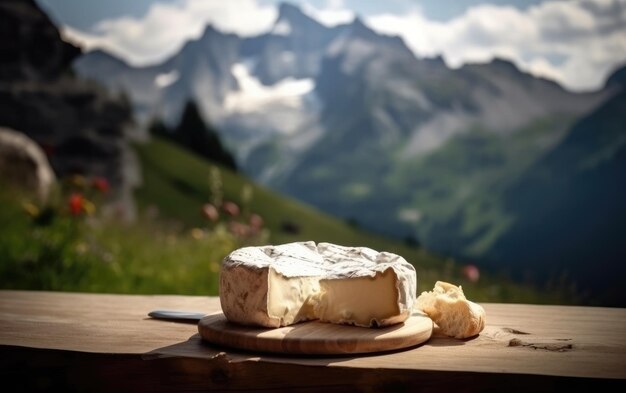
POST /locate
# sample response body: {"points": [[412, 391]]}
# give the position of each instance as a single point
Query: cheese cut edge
{"points": [[376, 303]]}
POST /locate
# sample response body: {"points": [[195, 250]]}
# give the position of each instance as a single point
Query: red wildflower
{"points": [[471, 272], [76, 204], [101, 184]]}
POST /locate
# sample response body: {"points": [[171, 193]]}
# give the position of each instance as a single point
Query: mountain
{"points": [[292, 48], [408, 141], [568, 208], [350, 121], [255, 89], [200, 72], [119, 77]]}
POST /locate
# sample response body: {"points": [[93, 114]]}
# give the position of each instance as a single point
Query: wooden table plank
{"points": [[94, 322], [525, 340]]}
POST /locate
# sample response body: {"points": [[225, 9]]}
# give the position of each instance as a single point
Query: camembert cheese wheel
{"points": [[275, 286]]}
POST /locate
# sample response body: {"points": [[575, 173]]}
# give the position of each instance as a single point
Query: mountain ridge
{"points": [[552, 204]]}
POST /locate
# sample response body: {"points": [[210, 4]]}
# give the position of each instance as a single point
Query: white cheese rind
{"points": [[276, 286]]}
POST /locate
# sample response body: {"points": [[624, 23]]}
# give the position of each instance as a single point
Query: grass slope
{"points": [[177, 182], [178, 251]]}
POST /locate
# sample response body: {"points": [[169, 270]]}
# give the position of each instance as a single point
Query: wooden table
{"points": [[99, 342]]}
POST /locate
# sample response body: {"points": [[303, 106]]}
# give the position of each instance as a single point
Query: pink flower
{"points": [[239, 229], [256, 221], [471, 273], [210, 212], [230, 209]]}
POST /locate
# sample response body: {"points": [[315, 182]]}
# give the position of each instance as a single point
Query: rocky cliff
{"points": [[81, 127]]}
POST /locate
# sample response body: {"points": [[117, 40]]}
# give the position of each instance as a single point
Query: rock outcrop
{"points": [[80, 126], [24, 165]]}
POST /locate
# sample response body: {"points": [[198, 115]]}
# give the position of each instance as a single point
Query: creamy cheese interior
{"points": [[362, 301], [291, 299]]}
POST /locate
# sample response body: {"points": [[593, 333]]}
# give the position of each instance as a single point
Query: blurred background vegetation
{"points": [[192, 213]]}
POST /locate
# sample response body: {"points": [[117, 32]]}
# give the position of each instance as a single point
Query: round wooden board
{"points": [[316, 338]]}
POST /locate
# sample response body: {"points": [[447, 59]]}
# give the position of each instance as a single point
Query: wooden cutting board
{"points": [[316, 338]]}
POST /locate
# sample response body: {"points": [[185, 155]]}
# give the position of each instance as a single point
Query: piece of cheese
{"points": [[281, 285]]}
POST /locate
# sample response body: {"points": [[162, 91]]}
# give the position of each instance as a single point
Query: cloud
{"points": [[576, 43], [253, 96], [332, 14], [166, 27]]}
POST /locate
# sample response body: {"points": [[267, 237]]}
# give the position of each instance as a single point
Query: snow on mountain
{"points": [[253, 96], [281, 28], [165, 79]]}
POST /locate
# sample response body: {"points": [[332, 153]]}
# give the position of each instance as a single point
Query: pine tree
{"points": [[158, 128], [193, 133]]}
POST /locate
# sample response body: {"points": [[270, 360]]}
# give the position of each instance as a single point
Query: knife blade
{"points": [[177, 315]]}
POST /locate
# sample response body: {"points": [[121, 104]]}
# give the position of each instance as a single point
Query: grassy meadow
{"points": [[175, 247]]}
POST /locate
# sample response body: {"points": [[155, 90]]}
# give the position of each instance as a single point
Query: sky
{"points": [[577, 43]]}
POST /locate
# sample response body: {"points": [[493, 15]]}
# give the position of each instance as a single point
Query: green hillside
{"points": [[177, 183], [457, 188], [570, 206], [173, 248]]}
